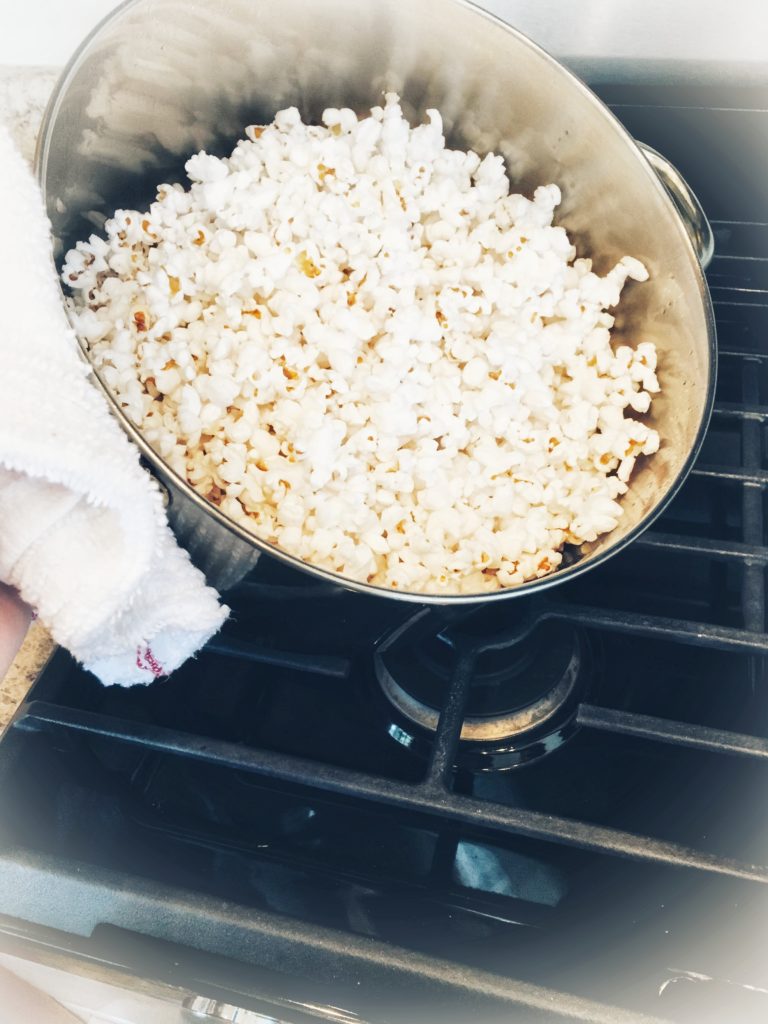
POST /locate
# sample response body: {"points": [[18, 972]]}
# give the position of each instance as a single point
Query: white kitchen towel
{"points": [[83, 532]]}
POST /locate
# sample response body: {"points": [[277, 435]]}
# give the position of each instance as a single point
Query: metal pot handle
{"points": [[688, 206]]}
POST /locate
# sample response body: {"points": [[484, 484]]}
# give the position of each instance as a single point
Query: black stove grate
{"points": [[696, 583]]}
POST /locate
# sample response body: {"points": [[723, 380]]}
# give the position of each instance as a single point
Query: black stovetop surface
{"points": [[263, 807]]}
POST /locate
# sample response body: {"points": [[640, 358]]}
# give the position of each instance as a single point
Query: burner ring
{"points": [[523, 697], [482, 729]]}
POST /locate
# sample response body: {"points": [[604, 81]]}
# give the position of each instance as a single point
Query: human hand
{"points": [[15, 617]]}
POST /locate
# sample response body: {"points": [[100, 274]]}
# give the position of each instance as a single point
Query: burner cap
{"points": [[523, 698]]}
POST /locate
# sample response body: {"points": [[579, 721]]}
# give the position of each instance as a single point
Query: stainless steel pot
{"points": [[160, 79]]}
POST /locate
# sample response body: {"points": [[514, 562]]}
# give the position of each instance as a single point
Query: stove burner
{"points": [[523, 697]]}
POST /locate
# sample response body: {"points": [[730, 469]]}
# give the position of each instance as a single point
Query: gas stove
{"points": [[552, 809]]}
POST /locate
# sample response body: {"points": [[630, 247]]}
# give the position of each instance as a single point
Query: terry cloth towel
{"points": [[83, 532]]}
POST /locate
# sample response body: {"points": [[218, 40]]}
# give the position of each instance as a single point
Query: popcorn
{"points": [[358, 344]]}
